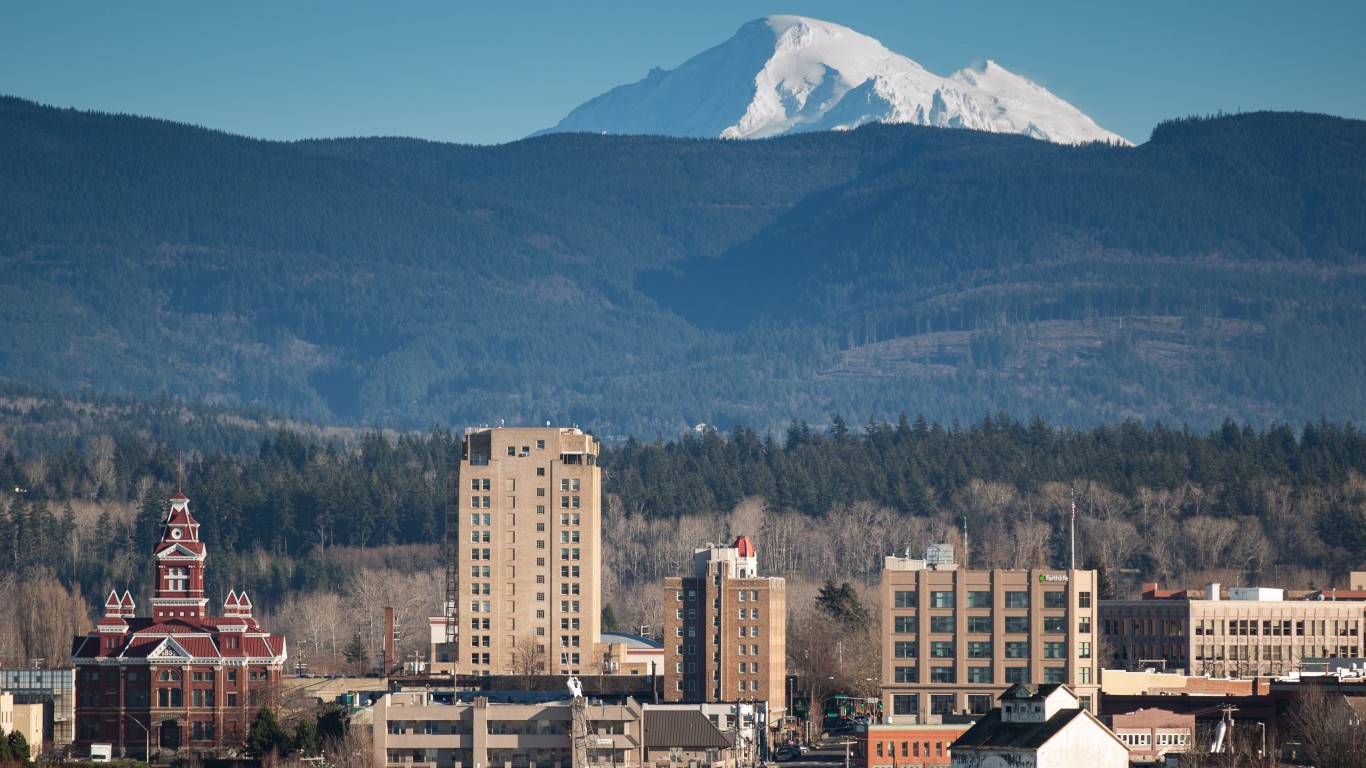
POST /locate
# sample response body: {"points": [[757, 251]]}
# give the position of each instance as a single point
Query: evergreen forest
{"points": [[644, 285], [318, 524]]}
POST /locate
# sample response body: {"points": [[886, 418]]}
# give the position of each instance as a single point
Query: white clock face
{"points": [[176, 533]]}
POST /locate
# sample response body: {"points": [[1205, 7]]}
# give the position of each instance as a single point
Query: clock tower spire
{"points": [[180, 565]]}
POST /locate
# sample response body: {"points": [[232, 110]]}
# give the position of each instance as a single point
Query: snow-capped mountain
{"points": [[790, 73]]}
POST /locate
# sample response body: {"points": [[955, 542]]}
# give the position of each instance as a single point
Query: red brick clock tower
{"points": [[179, 679]]}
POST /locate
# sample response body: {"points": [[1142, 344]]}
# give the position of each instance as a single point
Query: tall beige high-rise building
{"points": [[527, 543], [954, 639]]}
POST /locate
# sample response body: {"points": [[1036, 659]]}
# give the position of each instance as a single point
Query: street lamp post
{"points": [[146, 740]]}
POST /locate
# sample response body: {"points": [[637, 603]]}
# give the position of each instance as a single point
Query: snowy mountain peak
{"points": [[784, 74]]}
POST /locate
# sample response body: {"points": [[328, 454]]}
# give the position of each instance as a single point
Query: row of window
{"points": [[909, 625], [984, 675], [982, 649], [692, 596], [1055, 598]]}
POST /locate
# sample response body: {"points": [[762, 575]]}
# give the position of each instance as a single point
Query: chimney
{"points": [[389, 666], [1212, 590]]}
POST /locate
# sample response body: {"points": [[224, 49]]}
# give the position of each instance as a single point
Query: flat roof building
{"points": [[954, 639], [1250, 632], [524, 545], [725, 630]]}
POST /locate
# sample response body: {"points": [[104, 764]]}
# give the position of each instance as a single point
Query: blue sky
{"points": [[494, 72]]}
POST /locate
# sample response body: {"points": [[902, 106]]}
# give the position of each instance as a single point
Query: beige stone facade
{"points": [[953, 640], [1248, 633], [725, 631], [413, 731], [527, 540]]}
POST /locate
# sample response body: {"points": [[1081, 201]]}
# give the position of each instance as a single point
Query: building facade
{"points": [[178, 679], [953, 639], [526, 543], [1247, 633], [1151, 734], [893, 746], [725, 631], [413, 730], [55, 690]]}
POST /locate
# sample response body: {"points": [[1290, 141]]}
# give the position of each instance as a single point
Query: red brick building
{"points": [[178, 680]]}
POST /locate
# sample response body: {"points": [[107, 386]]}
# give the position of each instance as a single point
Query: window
{"points": [[941, 599], [753, 631], [905, 675], [905, 704], [979, 703], [1017, 599], [904, 599], [979, 624], [942, 703], [177, 579], [904, 624], [941, 624], [941, 675], [1084, 675], [1083, 599], [979, 599], [1054, 624], [1054, 651], [1084, 625], [1017, 650], [232, 699], [1054, 675], [1017, 624], [904, 649], [1055, 599], [941, 649], [540, 471], [1084, 650], [979, 649], [753, 614], [1017, 675], [979, 675]]}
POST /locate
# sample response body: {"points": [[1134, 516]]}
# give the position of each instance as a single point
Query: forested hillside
{"points": [[643, 284], [309, 522]]}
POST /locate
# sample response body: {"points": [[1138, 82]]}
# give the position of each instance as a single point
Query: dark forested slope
{"points": [[640, 284]]}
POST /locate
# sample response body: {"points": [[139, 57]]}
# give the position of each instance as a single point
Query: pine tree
{"points": [[356, 654], [306, 739], [18, 747], [266, 736]]}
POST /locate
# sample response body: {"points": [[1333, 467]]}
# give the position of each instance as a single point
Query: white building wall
{"points": [[1084, 743], [996, 759]]}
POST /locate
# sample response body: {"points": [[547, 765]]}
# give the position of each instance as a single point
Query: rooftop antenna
{"points": [[180, 473], [1073, 566], [967, 559]]}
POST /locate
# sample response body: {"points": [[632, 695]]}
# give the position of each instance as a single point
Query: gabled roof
{"points": [[683, 729], [1028, 692], [992, 733]]}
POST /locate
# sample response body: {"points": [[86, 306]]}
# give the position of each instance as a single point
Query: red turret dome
{"points": [[745, 546]]}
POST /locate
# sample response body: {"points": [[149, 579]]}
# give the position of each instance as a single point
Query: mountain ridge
{"points": [[645, 284], [786, 74]]}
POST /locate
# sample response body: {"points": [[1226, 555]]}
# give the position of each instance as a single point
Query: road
{"points": [[818, 757]]}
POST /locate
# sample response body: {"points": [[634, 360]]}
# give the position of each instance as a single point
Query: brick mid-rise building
{"points": [[178, 679], [725, 630]]}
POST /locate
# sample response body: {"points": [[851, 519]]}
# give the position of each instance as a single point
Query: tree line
{"points": [[299, 516]]}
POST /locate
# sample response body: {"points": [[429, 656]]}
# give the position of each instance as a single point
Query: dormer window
{"points": [[177, 579]]}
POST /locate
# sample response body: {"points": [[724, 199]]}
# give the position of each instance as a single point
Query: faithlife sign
{"points": [[1047, 577]]}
